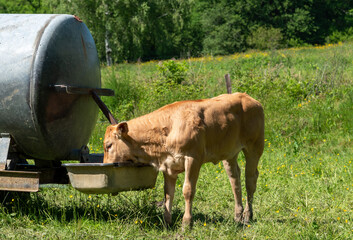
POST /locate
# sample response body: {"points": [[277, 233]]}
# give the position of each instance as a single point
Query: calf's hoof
{"points": [[247, 217], [187, 224], [167, 220], [238, 216]]}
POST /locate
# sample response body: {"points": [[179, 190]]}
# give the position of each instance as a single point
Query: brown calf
{"points": [[184, 135]]}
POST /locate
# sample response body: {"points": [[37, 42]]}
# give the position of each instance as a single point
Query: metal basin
{"points": [[112, 178]]}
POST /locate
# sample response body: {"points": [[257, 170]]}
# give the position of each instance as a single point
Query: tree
{"points": [[136, 29], [224, 27], [21, 6], [159, 29]]}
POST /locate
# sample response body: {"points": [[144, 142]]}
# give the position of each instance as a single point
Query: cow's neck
{"points": [[150, 137]]}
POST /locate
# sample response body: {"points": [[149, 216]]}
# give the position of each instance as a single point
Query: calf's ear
{"points": [[122, 130]]}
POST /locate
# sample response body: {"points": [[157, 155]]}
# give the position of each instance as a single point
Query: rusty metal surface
{"points": [[36, 52], [19, 181], [104, 108]]}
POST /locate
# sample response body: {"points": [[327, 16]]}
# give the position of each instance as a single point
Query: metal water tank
{"points": [[38, 53]]}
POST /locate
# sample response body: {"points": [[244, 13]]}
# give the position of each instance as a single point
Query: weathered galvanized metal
{"points": [[38, 53], [4, 148]]}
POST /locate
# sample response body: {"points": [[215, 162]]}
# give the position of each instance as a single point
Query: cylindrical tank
{"points": [[36, 53]]}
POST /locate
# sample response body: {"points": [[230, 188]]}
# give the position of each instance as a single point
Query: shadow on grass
{"points": [[146, 213], [39, 208]]}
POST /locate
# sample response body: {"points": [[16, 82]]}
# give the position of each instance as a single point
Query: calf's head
{"points": [[118, 145]]}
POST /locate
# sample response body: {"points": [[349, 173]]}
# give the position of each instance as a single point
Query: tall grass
{"points": [[305, 187]]}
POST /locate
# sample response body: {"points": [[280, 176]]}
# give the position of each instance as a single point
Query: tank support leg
{"points": [[4, 149]]}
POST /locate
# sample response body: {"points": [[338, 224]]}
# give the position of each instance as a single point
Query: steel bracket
{"points": [[20, 181], [94, 92], [4, 148], [82, 90]]}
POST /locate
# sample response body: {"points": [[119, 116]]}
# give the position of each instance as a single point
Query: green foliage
{"points": [[300, 23], [171, 83], [144, 29], [127, 94], [173, 71], [297, 89], [223, 28], [137, 29], [22, 6], [340, 36], [263, 38]]}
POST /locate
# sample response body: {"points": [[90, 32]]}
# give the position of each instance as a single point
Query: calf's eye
{"points": [[109, 145]]}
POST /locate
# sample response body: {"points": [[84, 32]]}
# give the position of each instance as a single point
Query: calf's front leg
{"points": [[169, 189], [192, 169]]}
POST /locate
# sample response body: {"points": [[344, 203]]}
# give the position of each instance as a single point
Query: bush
{"points": [[340, 36], [171, 84], [173, 71], [263, 38], [126, 96]]}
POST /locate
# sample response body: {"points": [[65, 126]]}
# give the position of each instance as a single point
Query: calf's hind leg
{"points": [[252, 157], [232, 168]]}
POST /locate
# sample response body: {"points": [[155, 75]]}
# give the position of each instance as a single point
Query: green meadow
{"points": [[305, 187]]}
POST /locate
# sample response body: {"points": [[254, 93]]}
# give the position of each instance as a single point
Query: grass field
{"points": [[305, 187]]}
